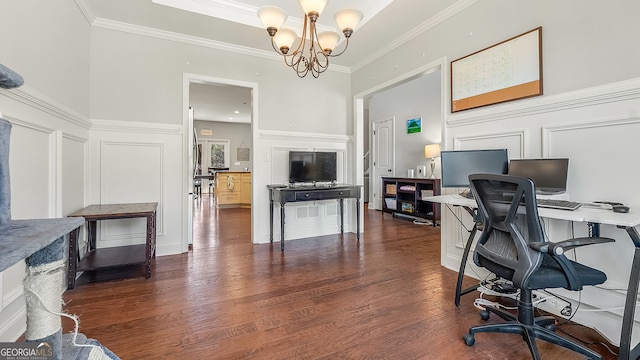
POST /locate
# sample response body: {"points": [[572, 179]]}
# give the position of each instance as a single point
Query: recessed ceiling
{"points": [[217, 102], [245, 11]]}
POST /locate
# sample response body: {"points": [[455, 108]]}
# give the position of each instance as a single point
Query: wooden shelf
{"points": [[113, 257], [409, 202]]}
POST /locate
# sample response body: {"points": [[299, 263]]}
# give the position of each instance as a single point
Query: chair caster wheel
{"points": [[469, 339], [484, 315]]}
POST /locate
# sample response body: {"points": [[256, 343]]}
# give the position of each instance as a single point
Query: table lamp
{"points": [[432, 151]]}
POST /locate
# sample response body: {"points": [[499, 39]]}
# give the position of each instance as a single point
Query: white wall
{"points": [[137, 78], [48, 44], [589, 113], [417, 98], [236, 133]]}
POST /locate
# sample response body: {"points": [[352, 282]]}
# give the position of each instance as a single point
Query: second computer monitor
{"points": [[549, 175]]}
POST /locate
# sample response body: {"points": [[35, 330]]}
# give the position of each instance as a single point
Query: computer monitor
{"points": [[549, 175], [458, 165]]}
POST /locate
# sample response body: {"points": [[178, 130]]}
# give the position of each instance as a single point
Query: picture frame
{"points": [[509, 70], [414, 125]]}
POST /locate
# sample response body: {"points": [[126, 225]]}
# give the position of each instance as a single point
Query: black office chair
{"points": [[513, 246]]}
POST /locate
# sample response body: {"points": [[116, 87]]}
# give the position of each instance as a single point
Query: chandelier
{"points": [[317, 47]]}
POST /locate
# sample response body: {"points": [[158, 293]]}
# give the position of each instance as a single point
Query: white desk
{"points": [[594, 217]]}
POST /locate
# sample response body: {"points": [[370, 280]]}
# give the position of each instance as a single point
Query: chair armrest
{"points": [[558, 248]]}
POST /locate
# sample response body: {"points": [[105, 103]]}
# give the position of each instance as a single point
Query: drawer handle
{"points": [[306, 195], [340, 193]]}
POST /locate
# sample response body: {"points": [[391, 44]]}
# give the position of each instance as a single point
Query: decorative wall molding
{"points": [[594, 96], [520, 137], [88, 15], [131, 237], [301, 136], [135, 127], [34, 99], [194, 40]]}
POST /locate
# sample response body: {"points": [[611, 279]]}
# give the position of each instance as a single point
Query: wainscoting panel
{"points": [[131, 172]]}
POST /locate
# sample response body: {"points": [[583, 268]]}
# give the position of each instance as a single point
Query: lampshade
{"points": [[272, 16], [285, 38], [348, 19], [431, 151], [328, 40], [309, 6]]}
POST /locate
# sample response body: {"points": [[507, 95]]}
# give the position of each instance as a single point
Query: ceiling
{"points": [[235, 23]]}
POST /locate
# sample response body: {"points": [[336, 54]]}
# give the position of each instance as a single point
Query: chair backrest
{"points": [[511, 222]]}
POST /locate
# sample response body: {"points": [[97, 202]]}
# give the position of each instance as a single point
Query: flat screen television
{"points": [[549, 175], [312, 166], [458, 165]]}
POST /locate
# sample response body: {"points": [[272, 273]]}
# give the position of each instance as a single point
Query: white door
{"points": [[383, 156]]}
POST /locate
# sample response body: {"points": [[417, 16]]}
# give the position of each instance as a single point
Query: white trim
{"points": [[194, 40], [16, 321], [135, 127], [36, 100], [439, 18], [302, 136], [86, 12]]}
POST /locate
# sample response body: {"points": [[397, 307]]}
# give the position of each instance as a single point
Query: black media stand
{"points": [[282, 194]]}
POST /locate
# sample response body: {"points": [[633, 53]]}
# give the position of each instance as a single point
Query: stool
{"points": [[197, 187]]}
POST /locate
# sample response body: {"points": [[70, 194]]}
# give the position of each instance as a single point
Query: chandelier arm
{"points": [[341, 52]]}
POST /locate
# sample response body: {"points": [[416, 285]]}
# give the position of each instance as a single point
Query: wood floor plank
{"points": [[327, 297]]}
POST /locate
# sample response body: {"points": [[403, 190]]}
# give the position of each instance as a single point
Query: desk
{"points": [[593, 217], [114, 256], [281, 195]]}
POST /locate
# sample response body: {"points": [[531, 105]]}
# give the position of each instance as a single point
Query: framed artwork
{"points": [[505, 71], [414, 125]]}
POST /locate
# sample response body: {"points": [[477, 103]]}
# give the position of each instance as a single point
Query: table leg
{"points": [[463, 264], [150, 248], [626, 350], [91, 234], [270, 217], [341, 216], [73, 259], [281, 227], [358, 218]]}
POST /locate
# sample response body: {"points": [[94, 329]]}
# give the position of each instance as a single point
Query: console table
{"points": [[282, 194], [114, 256]]}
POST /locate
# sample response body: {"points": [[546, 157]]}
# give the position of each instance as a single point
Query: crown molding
{"points": [[34, 99], [194, 40], [441, 17], [88, 15], [135, 127]]}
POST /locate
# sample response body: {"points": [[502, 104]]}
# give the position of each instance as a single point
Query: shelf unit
{"points": [[404, 196]]}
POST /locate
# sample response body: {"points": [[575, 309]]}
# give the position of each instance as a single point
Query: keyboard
{"points": [[558, 204]]}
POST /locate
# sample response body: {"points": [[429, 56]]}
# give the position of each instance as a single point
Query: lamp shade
{"points": [[431, 151], [285, 38], [313, 6], [348, 19], [328, 40], [272, 16]]}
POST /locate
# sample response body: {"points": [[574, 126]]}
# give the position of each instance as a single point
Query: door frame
{"points": [[374, 157], [358, 104], [187, 163]]}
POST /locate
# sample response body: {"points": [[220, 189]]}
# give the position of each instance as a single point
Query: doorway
{"points": [[363, 129], [218, 105]]}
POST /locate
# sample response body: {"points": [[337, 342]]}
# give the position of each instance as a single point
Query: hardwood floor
{"points": [[323, 298]]}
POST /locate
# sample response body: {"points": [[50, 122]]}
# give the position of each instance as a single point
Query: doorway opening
{"points": [[220, 118]]}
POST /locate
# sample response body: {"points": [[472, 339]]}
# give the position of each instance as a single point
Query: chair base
{"points": [[542, 328]]}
